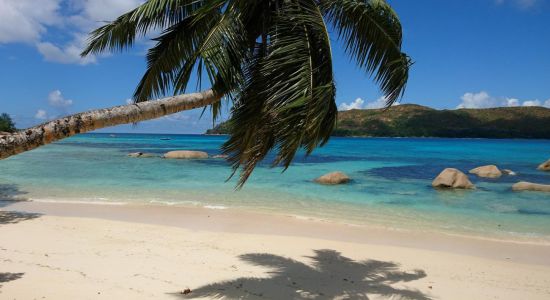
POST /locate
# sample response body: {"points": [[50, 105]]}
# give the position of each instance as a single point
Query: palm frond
{"points": [[372, 33], [176, 48], [288, 101], [208, 40], [121, 33]]}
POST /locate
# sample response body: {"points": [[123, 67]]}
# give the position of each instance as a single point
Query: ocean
{"points": [[390, 188]]}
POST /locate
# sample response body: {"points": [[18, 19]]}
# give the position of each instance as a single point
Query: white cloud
{"points": [[68, 54], [360, 104], [26, 20], [86, 16], [56, 99], [379, 103], [512, 102], [181, 116], [477, 100], [89, 14], [484, 100], [531, 103], [103, 10], [185, 117], [129, 101], [41, 115], [357, 104]]}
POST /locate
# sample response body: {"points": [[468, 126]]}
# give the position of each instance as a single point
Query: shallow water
{"points": [[391, 181]]}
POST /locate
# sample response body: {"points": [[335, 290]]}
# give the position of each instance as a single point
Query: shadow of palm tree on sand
{"points": [[13, 217], [331, 276], [7, 277], [10, 194]]}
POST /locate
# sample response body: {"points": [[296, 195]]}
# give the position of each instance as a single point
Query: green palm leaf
{"points": [[288, 101], [372, 33], [176, 49], [153, 14]]}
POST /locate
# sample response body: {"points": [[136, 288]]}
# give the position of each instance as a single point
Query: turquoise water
{"points": [[391, 181]]}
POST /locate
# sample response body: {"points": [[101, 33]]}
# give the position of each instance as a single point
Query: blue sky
{"points": [[467, 53]]}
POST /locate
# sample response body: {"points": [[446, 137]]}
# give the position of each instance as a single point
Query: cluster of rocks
{"points": [[451, 178], [456, 179]]}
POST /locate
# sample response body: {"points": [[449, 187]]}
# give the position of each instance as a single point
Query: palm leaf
{"points": [[176, 48], [153, 14], [288, 102], [372, 33]]}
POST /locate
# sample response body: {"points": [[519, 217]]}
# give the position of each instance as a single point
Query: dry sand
{"points": [[80, 251]]}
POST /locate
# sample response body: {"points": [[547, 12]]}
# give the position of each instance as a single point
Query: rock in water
{"points": [[333, 178], [185, 154], [141, 155], [509, 172], [545, 166], [490, 171], [528, 186], [452, 178]]}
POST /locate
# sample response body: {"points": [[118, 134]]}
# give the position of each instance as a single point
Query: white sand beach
{"points": [[85, 251]]}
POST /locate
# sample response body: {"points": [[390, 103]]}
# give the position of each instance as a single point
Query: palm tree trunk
{"points": [[55, 130]]}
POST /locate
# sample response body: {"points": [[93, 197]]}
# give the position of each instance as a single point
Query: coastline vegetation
{"points": [[410, 120], [6, 123]]}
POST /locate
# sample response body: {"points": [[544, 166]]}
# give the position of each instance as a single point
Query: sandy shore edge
{"points": [[151, 252]]}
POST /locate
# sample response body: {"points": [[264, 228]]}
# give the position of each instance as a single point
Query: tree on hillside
{"points": [[6, 123], [271, 60]]}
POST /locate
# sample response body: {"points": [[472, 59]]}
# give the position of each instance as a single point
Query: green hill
{"points": [[411, 120], [222, 128]]}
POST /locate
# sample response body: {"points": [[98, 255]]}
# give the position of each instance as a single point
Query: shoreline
{"points": [[85, 251], [238, 221], [506, 237]]}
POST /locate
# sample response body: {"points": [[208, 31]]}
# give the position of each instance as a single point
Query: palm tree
{"points": [[270, 59]]}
